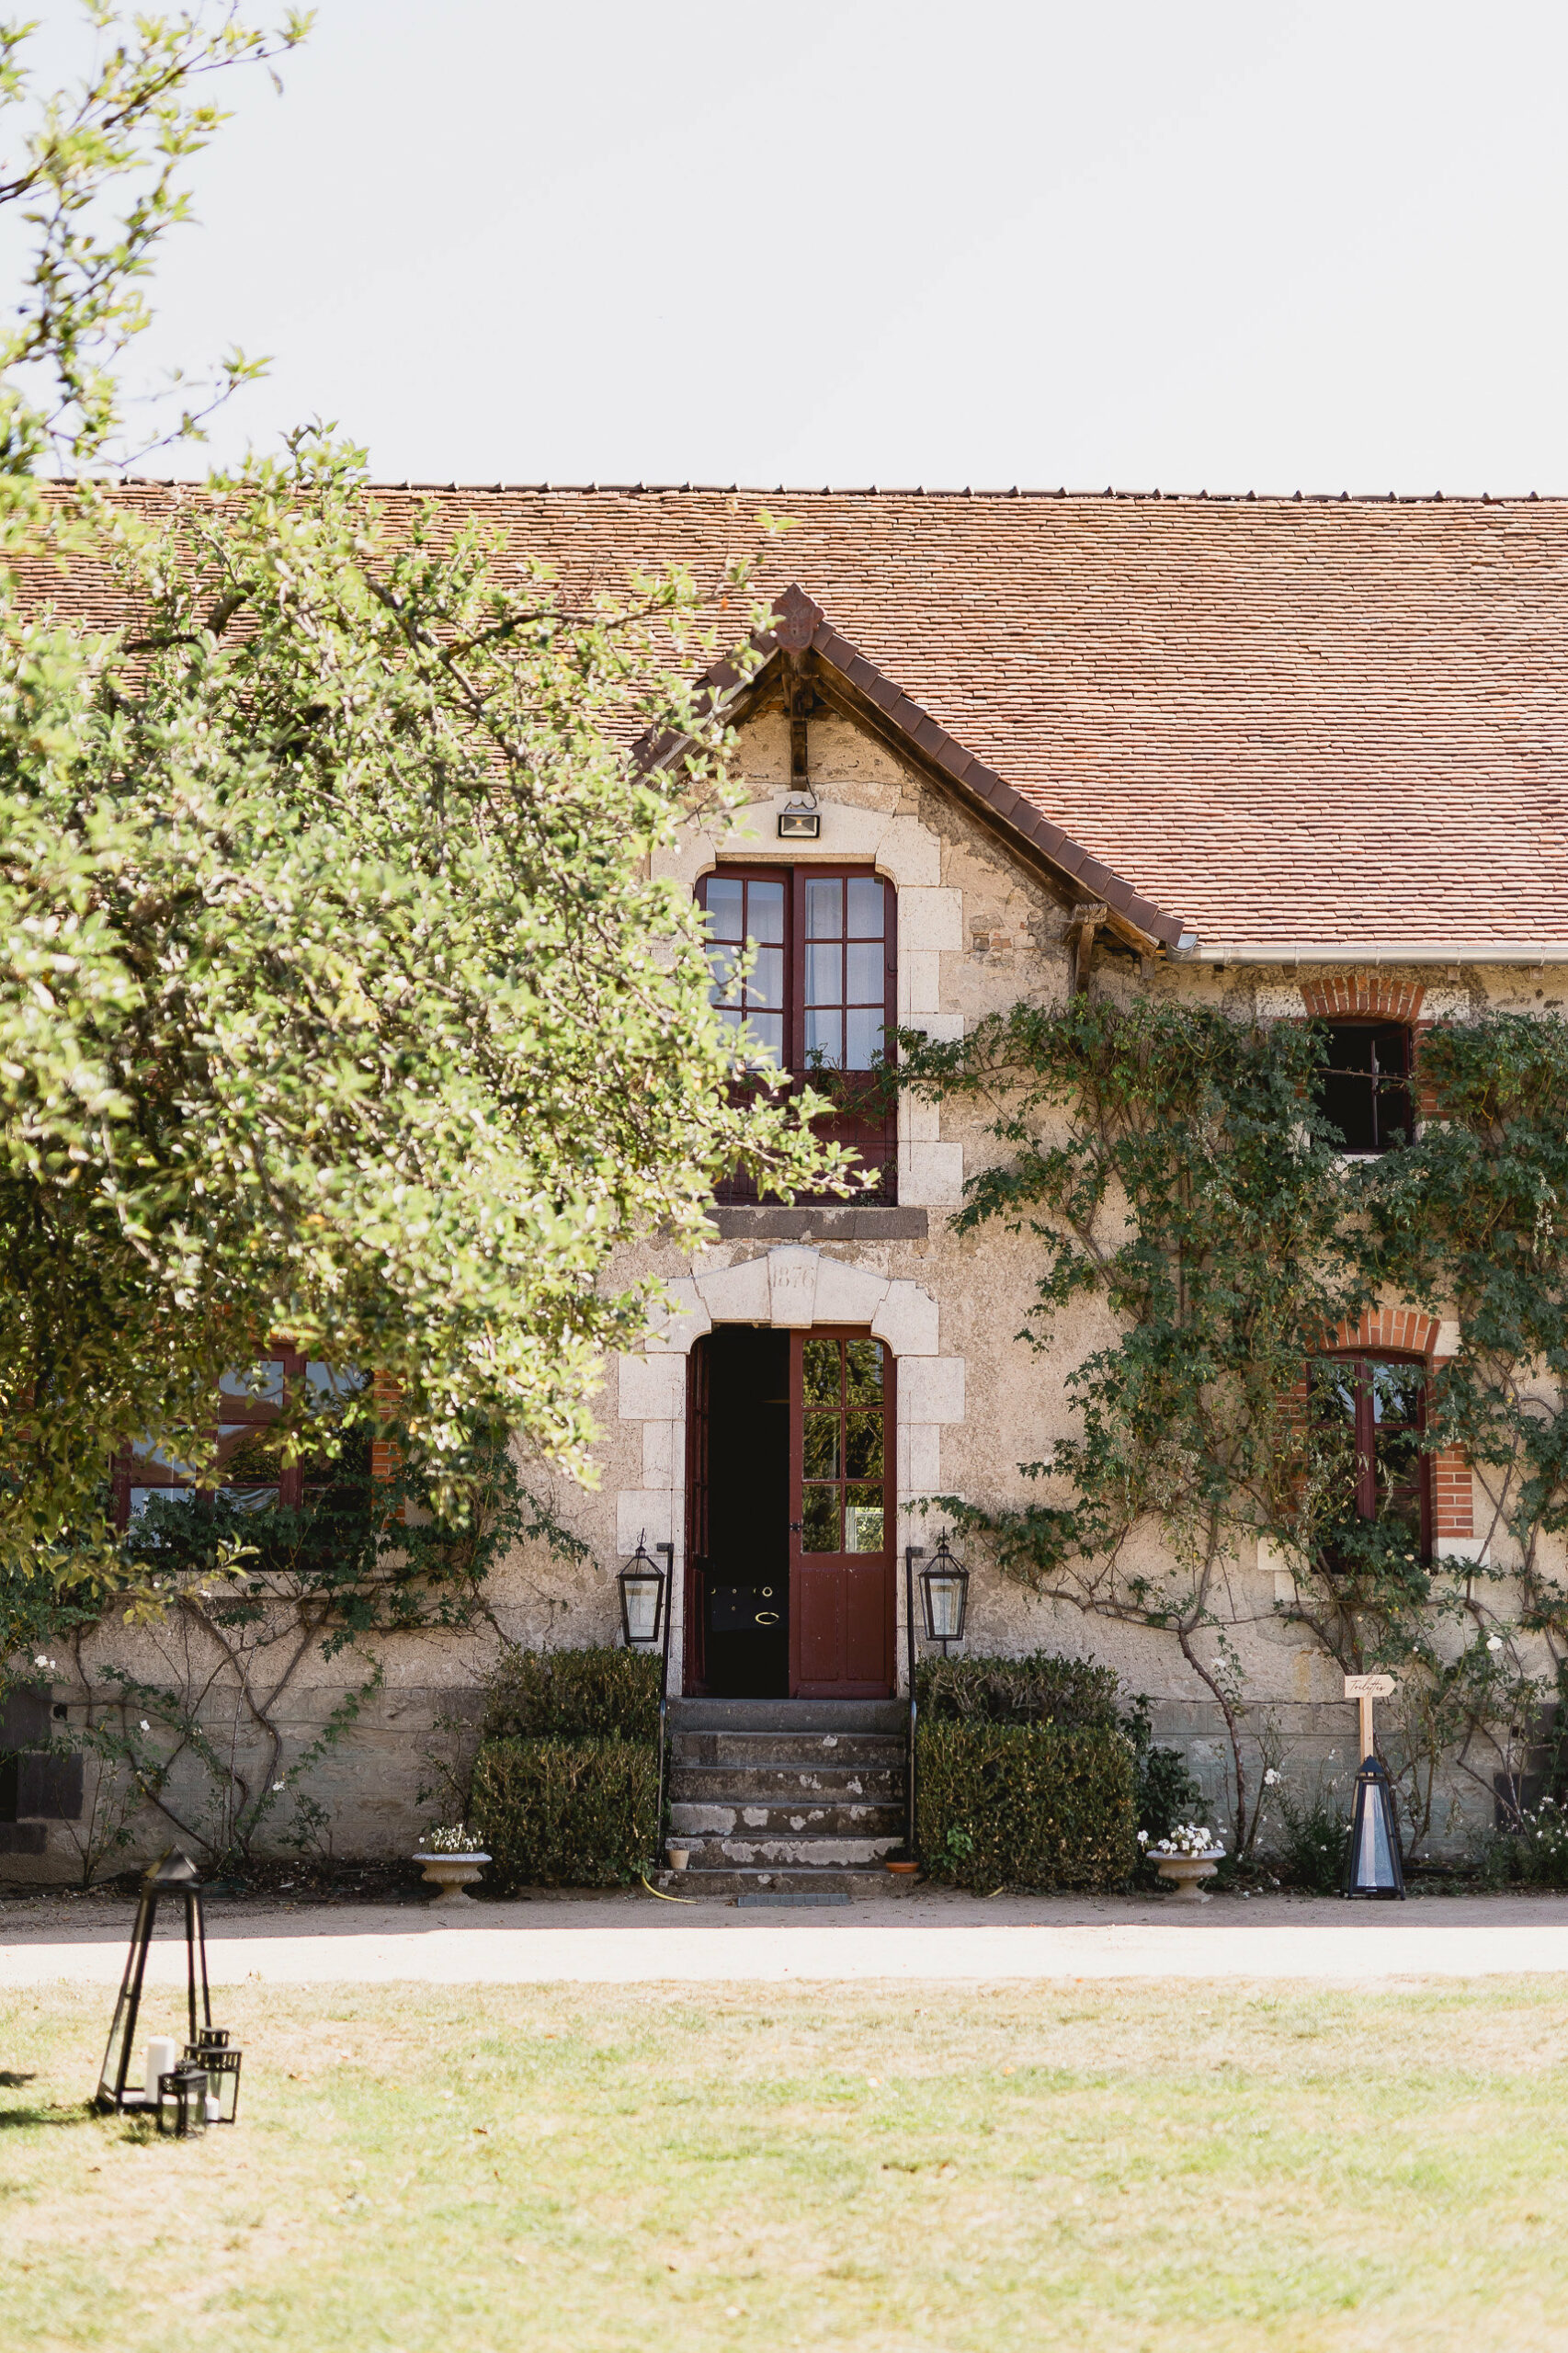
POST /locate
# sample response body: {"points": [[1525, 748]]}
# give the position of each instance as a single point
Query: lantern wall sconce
{"points": [[644, 1597], [208, 2049], [944, 1594]]}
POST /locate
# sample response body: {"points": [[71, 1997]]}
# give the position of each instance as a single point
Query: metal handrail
{"points": [[912, 1552], [669, 1553]]}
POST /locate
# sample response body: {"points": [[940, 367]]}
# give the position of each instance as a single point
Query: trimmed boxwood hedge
{"points": [[596, 1693], [565, 1812], [1029, 1805], [1039, 1689]]}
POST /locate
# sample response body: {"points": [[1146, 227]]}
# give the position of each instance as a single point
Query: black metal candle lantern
{"points": [[944, 1588], [642, 1599], [221, 2058], [182, 2100], [172, 1878], [1373, 1867]]}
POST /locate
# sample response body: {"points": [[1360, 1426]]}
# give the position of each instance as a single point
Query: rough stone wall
{"points": [[977, 933]]}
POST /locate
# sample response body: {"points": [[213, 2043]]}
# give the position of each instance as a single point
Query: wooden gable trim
{"points": [[802, 641]]}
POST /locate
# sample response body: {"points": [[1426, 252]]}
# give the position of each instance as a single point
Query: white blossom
{"points": [[1270, 1778], [145, 1725], [1495, 1642]]}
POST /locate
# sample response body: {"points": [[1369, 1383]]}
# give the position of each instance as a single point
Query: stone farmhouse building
{"points": [[1286, 756]]}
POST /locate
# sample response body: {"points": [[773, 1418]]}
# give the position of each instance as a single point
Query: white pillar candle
{"points": [[214, 2110], [161, 2054]]}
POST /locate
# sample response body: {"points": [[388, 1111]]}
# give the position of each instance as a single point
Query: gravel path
{"points": [[622, 1939]]}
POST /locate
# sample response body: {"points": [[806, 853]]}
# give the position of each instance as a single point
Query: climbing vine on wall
{"points": [[228, 1605], [1170, 1165]]}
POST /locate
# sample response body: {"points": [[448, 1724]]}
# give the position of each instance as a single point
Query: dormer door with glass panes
{"points": [[805, 978]]}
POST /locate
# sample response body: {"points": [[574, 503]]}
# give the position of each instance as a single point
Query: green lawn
{"points": [[585, 2168]]}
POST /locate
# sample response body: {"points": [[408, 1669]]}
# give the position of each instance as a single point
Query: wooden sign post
{"points": [[1364, 1689]]}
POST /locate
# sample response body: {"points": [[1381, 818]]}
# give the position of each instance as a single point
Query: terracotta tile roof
{"points": [[848, 681], [1285, 720]]}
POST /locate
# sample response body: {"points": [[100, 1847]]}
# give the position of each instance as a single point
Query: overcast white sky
{"points": [[1227, 246]]}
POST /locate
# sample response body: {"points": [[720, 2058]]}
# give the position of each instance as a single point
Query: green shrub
{"points": [[565, 1812], [1025, 1805], [1311, 1856], [599, 1693], [1538, 1851], [1164, 1791], [1038, 1690]]}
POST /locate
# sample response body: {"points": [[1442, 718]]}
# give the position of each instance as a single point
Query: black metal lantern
{"points": [[1372, 1868], [172, 1878], [643, 1598], [182, 2100], [944, 1589], [221, 2058]]}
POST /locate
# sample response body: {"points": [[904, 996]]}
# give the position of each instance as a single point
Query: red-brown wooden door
{"points": [[842, 1616]]}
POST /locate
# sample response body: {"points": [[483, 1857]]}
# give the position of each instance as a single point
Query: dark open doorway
{"points": [[738, 1591]]}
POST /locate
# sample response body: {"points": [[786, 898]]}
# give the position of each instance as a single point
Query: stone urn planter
{"points": [[1183, 1873], [451, 1876]]}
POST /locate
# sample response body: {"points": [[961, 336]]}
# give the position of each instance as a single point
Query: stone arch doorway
{"points": [[792, 1288]]}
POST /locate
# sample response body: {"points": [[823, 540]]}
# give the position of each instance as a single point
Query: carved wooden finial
{"points": [[796, 619]]}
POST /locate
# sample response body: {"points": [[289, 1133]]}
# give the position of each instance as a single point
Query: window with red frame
{"points": [[1377, 1407], [805, 973], [251, 1467]]}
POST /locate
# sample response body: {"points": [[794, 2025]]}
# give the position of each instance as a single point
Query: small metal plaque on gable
{"points": [[1369, 1687]]}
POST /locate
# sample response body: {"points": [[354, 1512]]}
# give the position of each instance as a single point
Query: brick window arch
{"points": [[1411, 1336], [1372, 1088]]}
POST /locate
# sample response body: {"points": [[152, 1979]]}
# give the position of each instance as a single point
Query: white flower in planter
{"points": [[1190, 1839]]}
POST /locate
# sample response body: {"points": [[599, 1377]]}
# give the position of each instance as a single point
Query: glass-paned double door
{"points": [[791, 1502]]}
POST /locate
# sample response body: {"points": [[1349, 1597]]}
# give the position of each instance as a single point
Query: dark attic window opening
{"points": [[1364, 1090]]}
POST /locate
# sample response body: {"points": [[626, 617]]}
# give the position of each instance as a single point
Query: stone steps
{"points": [[761, 1850], [789, 1715], [752, 1748], [786, 1797], [722, 1886], [788, 1784], [728, 1820]]}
